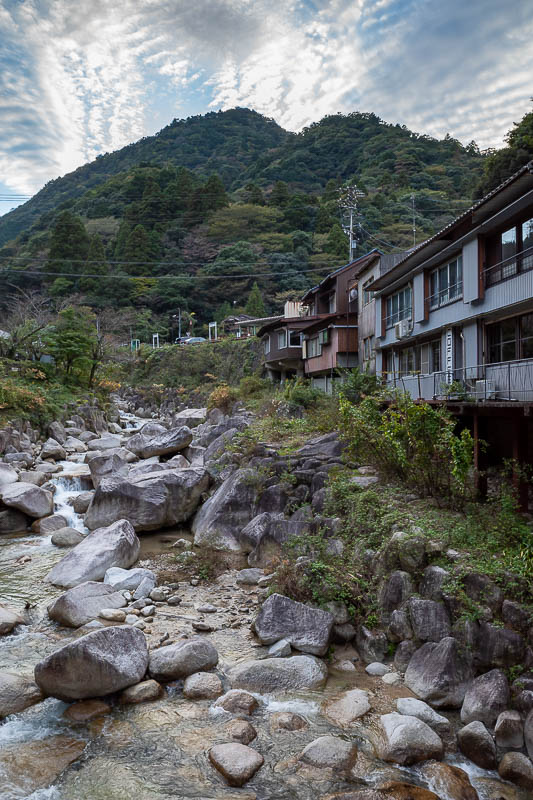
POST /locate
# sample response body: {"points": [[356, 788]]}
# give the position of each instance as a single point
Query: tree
{"points": [[254, 304], [323, 220], [337, 243], [69, 241], [503, 163], [96, 265], [141, 247], [279, 196], [73, 338], [253, 194]]}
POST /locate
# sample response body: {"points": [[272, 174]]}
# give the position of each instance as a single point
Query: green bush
{"points": [[356, 384], [253, 386], [410, 441], [299, 392], [222, 397]]}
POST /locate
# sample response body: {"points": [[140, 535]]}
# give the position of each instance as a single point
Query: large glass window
{"points": [[282, 339], [502, 341], [527, 234], [399, 306], [266, 345], [313, 347], [295, 339], [420, 359], [509, 252], [446, 283]]}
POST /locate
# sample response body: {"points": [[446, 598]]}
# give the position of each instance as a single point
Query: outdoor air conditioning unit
{"points": [[485, 390], [402, 329]]}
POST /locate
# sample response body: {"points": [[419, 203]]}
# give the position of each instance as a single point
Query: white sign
{"points": [[449, 355]]}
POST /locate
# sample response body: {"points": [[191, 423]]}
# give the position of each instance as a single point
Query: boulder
{"points": [[114, 546], [395, 590], [476, 743], [372, 645], [83, 603], [483, 590], [7, 475], [528, 734], [191, 417], [102, 662], [486, 697], [399, 628], [307, 629], [31, 500], [12, 521], [75, 445], [411, 707], [321, 447], [33, 476], [149, 501], [29, 768], [66, 537], [17, 692], [450, 782], [403, 654], [182, 659], [439, 673], [236, 762], [280, 649], [162, 444], [108, 465], [429, 620], [348, 707], [57, 431], [287, 721], [432, 582], [222, 517], [330, 751], [509, 730], [86, 710], [237, 701], [240, 730], [218, 445], [518, 769], [51, 524], [264, 535], [516, 616], [202, 686], [407, 740], [81, 502], [141, 693], [121, 579], [108, 442], [8, 619], [52, 449], [279, 674], [499, 647], [403, 550], [249, 577]]}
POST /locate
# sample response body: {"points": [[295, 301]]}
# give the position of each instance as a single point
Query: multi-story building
{"points": [[454, 316]]}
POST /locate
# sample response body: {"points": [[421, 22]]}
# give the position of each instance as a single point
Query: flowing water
{"points": [[158, 750]]}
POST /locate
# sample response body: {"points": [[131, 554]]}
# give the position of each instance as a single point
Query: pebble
{"points": [[174, 600], [203, 626], [207, 609], [139, 624], [131, 619], [194, 581], [112, 614], [148, 611]]}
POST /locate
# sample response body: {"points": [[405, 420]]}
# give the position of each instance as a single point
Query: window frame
{"points": [[443, 295], [295, 333], [396, 311], [282, 339], [266, 344]]}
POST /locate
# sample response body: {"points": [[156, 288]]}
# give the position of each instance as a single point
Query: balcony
{"points": [[507, 381], [508, 268]]}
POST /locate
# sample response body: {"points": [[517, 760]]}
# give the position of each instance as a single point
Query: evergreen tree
{"points": [[215, 194], [279, 196], [503, 163], [254, 304], [141, 247], [72, 339], [337, 243], [69, 241], [253, 194], [96, 265], [323, 220]]}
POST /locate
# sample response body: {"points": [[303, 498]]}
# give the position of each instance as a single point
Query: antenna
{"points": [[349, 197]]}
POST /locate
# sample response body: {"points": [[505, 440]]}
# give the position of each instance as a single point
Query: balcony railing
{"points": [[514, 265], [510, 381]]}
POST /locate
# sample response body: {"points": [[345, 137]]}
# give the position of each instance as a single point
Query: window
{"points": [[446, 283], [266, 345], [399, 306], [295, 339], [282, 339], [313, 347], [509, 252], [368, 296], [510, 340], [420, 359], [332, 304], [368, 348]]}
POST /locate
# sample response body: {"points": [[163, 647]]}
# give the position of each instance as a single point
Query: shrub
{"points": [[253, 386], [357, 384], [299, 392], [222, 397], [409, 441]]}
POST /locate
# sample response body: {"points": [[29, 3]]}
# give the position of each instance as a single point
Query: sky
{"points": [[83, 77]]}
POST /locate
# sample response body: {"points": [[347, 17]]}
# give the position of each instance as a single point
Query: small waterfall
{"points": [[68, 487]]}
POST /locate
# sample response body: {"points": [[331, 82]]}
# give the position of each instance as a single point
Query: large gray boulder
{"points": [[8, 619], [432, 583], [486, 697], [345, 709], [518, 769], [114, 546], [83, 603], [149, 501], [279, 674], [130, 579], [307, 629], [439, 673], [528, 734], [412, 707], [105, 466], [395, 590], [265, 534], [476, 743], [222, 517], [330, 752], [219, 445], [162, 444], [57, 431], [372, 644], [67, 537], [322, 447], [7, 475], [106, 442], [12, 521], [191, 417], [499, 647], [52, 449], [30, 499], [97, 664], [182, 659], [17, 692], [407, 740], [509, 730], [429, 620]]}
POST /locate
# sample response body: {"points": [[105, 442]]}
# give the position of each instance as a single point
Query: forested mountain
{"points": [[193, 217]]}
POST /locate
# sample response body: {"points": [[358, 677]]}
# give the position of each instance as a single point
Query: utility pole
{"points": [[414, 219], [349, 197]]}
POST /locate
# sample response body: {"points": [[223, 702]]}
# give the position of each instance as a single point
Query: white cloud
{"points": [[78, 79]]}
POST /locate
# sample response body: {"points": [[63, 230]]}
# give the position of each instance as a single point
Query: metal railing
{"points": [[510, 381], [445, 296], [514, 265]]}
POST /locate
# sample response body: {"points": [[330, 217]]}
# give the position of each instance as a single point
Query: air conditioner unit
{"points": [[402, 329], [485, 390]]}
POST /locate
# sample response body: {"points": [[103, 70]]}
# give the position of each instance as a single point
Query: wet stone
{"points": [[241, 731], [236, 762], [86, 710]]}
